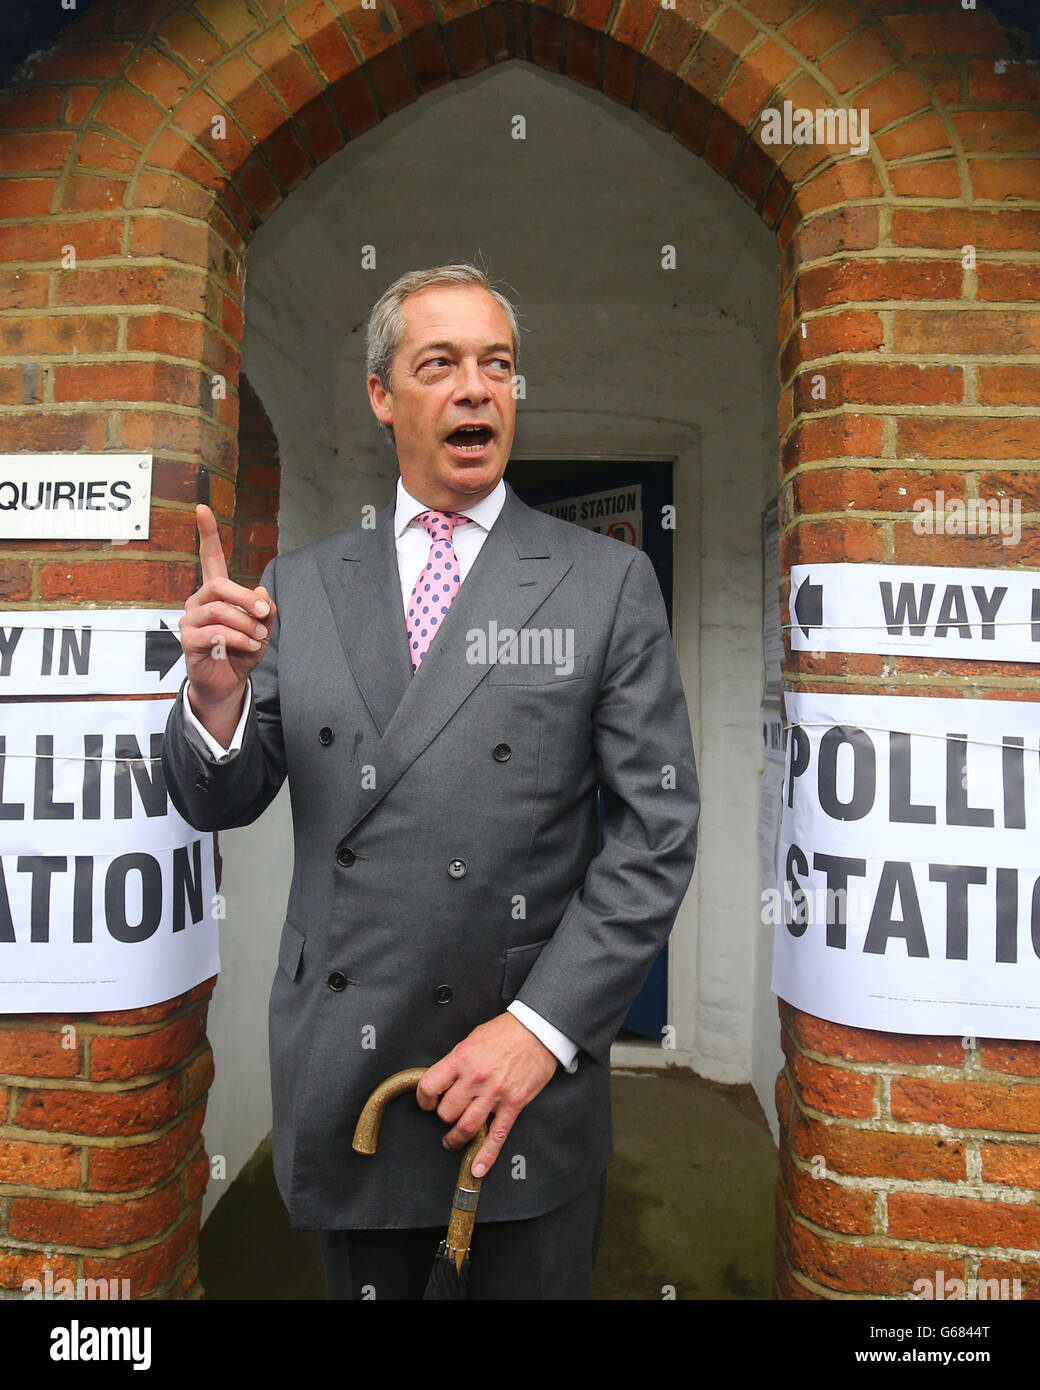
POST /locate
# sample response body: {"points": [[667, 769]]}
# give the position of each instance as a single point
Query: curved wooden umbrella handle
{"points": [[366, 1131], [467, 1189]]}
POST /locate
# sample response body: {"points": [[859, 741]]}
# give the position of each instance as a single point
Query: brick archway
{"points": [[154, 138]]}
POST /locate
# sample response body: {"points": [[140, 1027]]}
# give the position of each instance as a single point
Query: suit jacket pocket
{"points": [[518, 962], [290, 950], [540, 674]]}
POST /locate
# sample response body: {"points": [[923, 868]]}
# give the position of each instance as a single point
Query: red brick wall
{"points": [[102, 1168], [931, 368], [258, 491], [902, 1156]]}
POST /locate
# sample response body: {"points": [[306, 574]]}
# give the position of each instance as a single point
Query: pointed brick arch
{"points": [[109, 145]]}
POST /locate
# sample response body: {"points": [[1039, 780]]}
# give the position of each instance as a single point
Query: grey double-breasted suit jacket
{"points": [[447, 848]]}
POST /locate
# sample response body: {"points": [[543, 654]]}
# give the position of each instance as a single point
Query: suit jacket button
{"points": [[326, 735], [457, 868], [502, 752], [345, 856], [442, 994], [337, 981]]}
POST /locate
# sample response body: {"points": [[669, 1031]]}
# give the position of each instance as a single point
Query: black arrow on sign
{"points": [[162, 650], [808, 606]]}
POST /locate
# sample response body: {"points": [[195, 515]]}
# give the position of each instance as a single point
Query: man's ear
{"points": [[381, 401]]}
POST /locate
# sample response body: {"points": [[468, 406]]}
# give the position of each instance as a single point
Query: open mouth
{"points": [[470, 440]]}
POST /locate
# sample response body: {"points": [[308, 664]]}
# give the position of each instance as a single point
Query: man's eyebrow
{"points": [[453, 347]]}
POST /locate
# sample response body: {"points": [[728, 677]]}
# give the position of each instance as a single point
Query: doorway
{"points": [[632, 501], [626, 367]]}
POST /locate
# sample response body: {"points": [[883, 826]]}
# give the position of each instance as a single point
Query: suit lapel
{"points": [[364, 592], [510, 579]]}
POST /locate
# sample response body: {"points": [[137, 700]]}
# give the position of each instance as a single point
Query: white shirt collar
{"points": [[484, 513]]}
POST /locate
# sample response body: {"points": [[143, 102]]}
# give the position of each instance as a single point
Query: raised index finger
{"points": [[211, 553]]}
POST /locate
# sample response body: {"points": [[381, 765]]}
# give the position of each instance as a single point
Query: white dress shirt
{"points": [[413, 550]]}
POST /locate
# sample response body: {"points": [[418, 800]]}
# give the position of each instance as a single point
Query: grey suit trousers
{"points": [[541, 1257]]}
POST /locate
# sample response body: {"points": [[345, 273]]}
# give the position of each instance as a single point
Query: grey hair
{"points": [[386, 322]]}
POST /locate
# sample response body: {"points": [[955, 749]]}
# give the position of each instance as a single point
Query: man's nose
{"points": [[471, 383]]}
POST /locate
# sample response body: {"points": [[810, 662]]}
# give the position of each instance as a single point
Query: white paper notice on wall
{"points": [[772, 634], [107, 896], [769, 820], [96, 651], [771, 713], [909, 895], [923, 610], [70, 496]]}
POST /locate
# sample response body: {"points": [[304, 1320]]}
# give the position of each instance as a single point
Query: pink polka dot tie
{"points": [[436, 587]]}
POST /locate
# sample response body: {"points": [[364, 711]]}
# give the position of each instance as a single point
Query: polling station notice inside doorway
{"points": [[909, 894], [107, 896], [617, 512]]}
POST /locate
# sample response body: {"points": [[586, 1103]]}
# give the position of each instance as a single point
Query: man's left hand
{"points": [[499, 1067]]}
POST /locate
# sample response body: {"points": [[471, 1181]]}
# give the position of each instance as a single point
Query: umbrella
{"points": [[448, 1278]]}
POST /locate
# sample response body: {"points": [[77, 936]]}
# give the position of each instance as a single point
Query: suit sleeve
{"points": [[563, 1049], [217, 795], [615, 924], [192, 722]]}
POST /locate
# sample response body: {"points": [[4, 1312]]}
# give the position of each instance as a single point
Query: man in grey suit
{"points": [[445, 686]]}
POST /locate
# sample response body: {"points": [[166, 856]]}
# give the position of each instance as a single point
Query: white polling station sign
{"points": [[96, 651], [922, 610], [107, 896], [909, 894]]}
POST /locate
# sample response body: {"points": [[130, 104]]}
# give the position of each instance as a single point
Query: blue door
{"points": [[627, 501]]}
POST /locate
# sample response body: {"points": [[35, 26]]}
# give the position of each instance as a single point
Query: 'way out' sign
{"points": [[107, 897], [909, 862], [923, 610], [98, 651]]}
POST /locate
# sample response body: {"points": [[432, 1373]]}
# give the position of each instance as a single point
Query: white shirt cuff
{"points": [[558, 1043], [221, 754]]}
